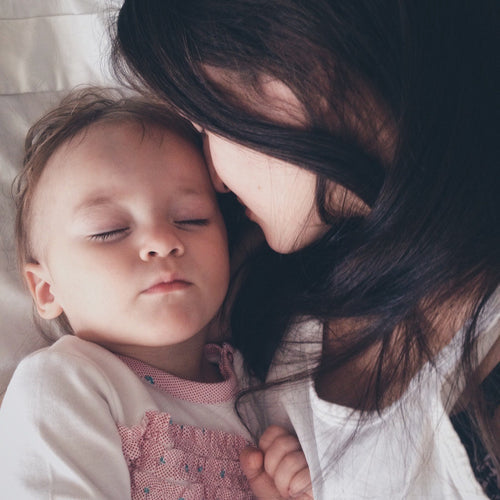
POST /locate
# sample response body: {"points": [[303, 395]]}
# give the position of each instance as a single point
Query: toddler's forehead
{"points": [[84, 140], [112, 139]]}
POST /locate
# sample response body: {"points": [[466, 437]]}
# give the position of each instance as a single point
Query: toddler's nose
{"points": [[161, 242]]}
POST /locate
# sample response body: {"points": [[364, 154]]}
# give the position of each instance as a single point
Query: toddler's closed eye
{"points": [[193, 222], [109, 235]]}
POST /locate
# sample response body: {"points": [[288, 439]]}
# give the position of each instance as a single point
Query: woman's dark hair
{"points": [[401, 108]]}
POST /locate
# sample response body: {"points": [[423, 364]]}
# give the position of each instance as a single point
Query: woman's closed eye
{"points": [[112, 235]]}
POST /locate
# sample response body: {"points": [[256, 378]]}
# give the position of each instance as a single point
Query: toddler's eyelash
{"points": [[193, 222], [106, 235]]}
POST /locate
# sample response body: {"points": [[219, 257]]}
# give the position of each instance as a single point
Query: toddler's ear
{"points": [[39, 284]]}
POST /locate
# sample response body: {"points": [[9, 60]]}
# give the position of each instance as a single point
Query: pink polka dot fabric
{"points": [[189, 390], [172, 461], [169, 460]]}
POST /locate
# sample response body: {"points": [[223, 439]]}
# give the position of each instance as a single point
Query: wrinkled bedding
{"points": [[46, 49]]}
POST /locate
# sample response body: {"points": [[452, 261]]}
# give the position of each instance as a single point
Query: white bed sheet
{"points": [[46, 48]]}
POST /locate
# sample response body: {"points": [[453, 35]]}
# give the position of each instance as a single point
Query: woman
{"points": [[361, 138]]}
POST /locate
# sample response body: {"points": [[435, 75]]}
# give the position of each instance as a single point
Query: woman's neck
{"points": [[352, 385]]}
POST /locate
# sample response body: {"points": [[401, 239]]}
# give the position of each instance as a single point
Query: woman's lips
{"points": [[167, 287]]}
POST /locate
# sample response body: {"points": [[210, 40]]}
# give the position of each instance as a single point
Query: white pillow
{"points": [[46, 48]]}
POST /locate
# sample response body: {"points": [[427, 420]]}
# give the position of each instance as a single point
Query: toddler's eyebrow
{"points": [[92, 201]]}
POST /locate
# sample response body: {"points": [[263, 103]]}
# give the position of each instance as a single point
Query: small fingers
{"points": [[270, 435], [278, 450], [261, 484], [285, 462], [287, 476], [300, 487], [252, 462]]}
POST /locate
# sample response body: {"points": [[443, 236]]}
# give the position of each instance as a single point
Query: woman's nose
{"points": [[161, 242]]}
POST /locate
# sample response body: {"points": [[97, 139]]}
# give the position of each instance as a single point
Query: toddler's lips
{"points": [[167, 287]]}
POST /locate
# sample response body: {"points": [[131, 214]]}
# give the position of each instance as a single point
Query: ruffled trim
{"points": [[171, 461]]}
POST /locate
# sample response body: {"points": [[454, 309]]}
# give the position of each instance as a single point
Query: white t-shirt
{"points": [[71, 407], [409, 451]]}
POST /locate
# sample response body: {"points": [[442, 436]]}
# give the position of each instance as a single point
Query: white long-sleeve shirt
{"points": [[79, 422], [409, 451]]}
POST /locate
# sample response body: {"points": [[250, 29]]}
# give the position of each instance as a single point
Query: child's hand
{"points": [[277, 469]]}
